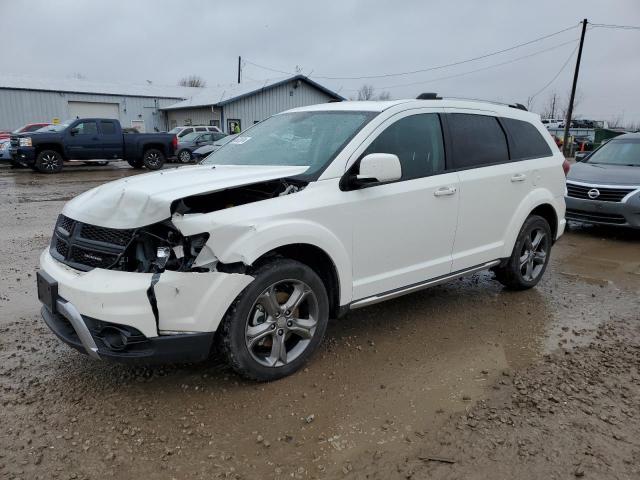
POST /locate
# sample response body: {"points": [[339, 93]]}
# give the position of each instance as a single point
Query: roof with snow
{"points": [[218, 96], [77, 85]]}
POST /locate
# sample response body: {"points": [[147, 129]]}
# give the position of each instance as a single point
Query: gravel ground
{"points": [[464, 380]]}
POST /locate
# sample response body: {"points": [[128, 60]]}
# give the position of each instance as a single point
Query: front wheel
{"points": [[184, 156], [530, 256], [49, 161], [153, 159], [277, 322]]}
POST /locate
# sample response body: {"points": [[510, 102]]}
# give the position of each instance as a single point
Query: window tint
{"points": [[476, 140], [417, 141], [525, 140], [186, 131], [108, 128], [87, 128]]}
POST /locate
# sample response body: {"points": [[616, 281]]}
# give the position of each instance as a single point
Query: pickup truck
{"points": [[87, 139]]}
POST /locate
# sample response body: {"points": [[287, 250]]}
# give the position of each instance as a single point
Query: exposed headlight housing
{"points": [[26, 142]]}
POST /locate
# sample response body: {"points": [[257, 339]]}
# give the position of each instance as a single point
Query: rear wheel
{"points": [[530, 256], [184, 156], [153, 159], [277, 322], [49, 161]]}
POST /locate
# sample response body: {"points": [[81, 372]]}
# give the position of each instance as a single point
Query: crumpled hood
{"points": [[145, 199], [604, 174]]}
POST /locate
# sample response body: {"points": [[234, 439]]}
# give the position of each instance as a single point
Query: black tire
{"points": [[184, 156], [49, 161], [272, 278], [135, 163], [530, 256], [153, 159]]}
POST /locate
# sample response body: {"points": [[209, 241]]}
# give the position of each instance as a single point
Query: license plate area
{"points": [[47, 290]]}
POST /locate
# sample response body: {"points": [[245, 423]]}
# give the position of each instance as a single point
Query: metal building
{"points": [[25, 99], [243, 105]]}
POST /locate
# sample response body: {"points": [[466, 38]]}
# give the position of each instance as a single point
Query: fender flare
{"points": [[534, 199], [247, 243]]}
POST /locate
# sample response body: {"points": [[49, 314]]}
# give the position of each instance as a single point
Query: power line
{"points": [[621, 27], [479, 69], [564, 65], [422, 70]]}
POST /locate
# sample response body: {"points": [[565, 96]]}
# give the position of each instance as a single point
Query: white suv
{"points": [[304, 216], [186, 130]]}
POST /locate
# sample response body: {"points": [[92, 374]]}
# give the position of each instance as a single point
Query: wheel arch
{"points": [[51, 146]]}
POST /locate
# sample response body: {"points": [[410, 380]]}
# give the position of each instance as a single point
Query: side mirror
{"points": [[74, 131], [379, 168]]}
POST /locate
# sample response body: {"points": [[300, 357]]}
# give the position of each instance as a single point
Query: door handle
{"points": [[445, 191], [519, 177]]}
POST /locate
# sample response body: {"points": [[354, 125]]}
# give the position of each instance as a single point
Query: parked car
{"points": [[307, 215], [202, 152], [186, 130], [604, 188], [29, 127], [188, 143], [552, 122], [90, 139], [5, 150]]}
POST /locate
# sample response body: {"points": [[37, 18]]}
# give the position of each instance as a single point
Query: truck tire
{"points": [[184, 156], [153, 159], [49, 161], [278, 321], [135, 163], [530, 256]]}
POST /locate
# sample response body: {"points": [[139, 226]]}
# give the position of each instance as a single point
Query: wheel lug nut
{"points": [[287, 313], [289, 323], [281, 332], [273, 327]]}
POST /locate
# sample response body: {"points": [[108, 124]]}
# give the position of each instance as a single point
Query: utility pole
{"points": [[553, 106], [567, 121], [240, 66]]}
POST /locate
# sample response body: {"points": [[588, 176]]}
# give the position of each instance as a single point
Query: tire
{"points": [[530, 256], [153, 159], [135, 163], [254, 329], [184, 156], [49, 161]]}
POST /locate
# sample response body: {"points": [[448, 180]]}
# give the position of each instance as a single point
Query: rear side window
{"points": [[417, 141], [525, 140], [477, 140], [186, 131], [201, 129], [108, 128]]}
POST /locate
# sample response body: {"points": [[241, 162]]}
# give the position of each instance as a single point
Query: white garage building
{"points": [[25, 99]]}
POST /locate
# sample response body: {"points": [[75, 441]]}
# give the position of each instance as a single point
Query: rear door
{"points": [[85, 144], [491, 185], [403, 231], [110, 139]]}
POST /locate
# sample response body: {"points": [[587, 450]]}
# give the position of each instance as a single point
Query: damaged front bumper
{"points": [[110, 314]]}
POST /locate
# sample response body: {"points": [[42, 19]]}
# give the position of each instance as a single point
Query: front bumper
{"points": [[189, 308], [623, 214], [24, 155]]}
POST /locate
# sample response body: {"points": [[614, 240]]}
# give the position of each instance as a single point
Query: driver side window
{"points": [[87, 128], [417, 141]]}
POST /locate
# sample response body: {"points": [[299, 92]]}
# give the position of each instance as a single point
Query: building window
{"points": [[233, 126]]}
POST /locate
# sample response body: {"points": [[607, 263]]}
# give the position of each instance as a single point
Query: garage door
{"points": [[94, 110]]}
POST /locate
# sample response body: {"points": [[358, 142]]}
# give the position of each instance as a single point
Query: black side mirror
{"points": [[74, 131]]}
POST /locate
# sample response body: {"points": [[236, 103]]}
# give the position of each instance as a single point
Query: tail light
{"points": [[174, 142], [566, 166]]}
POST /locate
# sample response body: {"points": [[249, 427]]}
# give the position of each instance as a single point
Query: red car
{"points": [[29, 127]]}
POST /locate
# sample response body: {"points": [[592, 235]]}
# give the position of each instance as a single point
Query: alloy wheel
{"points": [[153, 159], [281, 323], [49, 161], [534, 254]]}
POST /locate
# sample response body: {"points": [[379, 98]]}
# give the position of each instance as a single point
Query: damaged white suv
{"points": [[302, 217]]}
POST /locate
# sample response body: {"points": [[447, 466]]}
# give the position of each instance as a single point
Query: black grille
{"points": [[605, 194], [106, 235], [84, 246], [15, 142], [599, 217]]}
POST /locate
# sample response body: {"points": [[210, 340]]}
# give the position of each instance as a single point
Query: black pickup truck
{"points": [[90, 139]]}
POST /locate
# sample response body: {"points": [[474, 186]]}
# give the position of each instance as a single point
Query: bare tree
{"points": [[367, 92], [551, 106], [617, 121], [564, 105], [192, 81]]}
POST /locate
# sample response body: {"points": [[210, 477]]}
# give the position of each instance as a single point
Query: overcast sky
{"points": [[160, 40]]}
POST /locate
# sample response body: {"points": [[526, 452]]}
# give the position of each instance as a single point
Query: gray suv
{"points": [[604, 188]]}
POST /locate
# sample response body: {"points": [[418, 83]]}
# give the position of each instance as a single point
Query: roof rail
{"points": [[519, 106], [428, 96]]}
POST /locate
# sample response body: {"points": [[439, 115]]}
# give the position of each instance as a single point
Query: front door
{"points": [[403, 231], [85, 143]]}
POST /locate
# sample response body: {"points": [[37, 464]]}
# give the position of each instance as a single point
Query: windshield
{"points": [[55, 128], [309, 139], [617, 152], [190, 137], [175, 130]]}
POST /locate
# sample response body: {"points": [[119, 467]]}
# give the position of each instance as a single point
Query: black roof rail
{"points": [[428, 96], [519, 106]]}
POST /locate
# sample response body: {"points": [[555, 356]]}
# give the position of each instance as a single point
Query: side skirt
{"points": [[381, 297]]}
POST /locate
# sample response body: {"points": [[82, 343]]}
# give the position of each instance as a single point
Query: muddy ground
{"points": [[464, 380]]}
